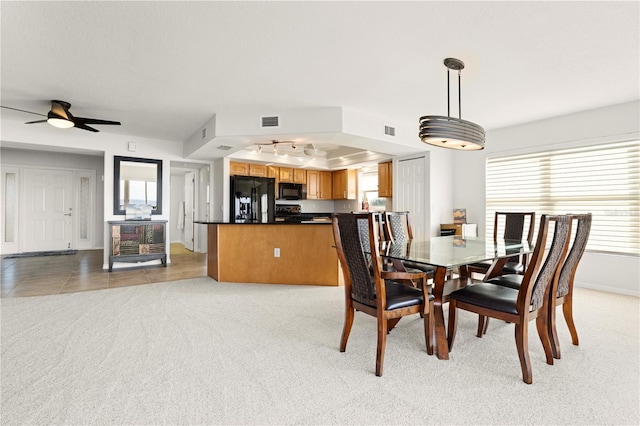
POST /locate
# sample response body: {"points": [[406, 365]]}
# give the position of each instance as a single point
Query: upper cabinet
{"points": [[385, 179], [257, 170], [248, 169], [236, 168], [319, 185], [286, 174], [344, 184], [299, 176]]}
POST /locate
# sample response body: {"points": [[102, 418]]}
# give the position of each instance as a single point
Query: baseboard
{"points": [[608, 289]]}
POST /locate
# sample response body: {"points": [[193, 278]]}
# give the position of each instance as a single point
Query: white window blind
{"points": [[603, 180]]}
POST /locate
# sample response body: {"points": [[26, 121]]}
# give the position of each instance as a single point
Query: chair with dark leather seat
{"points": [[373, 290], [511, 226], [563, 294], [530, 302], [399, 230]]}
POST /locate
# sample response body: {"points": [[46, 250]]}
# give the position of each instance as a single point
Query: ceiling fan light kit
{"points": [[60, 123], [451, 132]]}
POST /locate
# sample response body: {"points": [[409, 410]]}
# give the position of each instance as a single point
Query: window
{"points": [[603, 180], [368, 181]]}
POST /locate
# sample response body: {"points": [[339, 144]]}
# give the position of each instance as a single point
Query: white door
{"points": [[189, 188], [48, 209], [411, 194]]}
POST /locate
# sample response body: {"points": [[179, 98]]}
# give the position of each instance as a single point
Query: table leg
{"points": [[442, 346]]}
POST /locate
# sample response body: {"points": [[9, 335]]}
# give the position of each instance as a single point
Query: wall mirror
{"points": [[137, 181]]}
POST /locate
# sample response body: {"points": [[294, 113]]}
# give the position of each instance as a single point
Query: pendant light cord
{"points": [[459, 95]]}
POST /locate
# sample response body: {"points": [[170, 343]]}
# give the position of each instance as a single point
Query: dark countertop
{"points": [[306, 222]]}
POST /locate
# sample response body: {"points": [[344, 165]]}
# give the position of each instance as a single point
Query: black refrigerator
{"points": [[253, 199]]}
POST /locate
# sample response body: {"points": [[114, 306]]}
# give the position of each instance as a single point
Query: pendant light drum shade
{"points": [[451, 132]]}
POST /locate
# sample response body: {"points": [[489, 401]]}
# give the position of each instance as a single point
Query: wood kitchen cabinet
{"points": [[319, 185], [385, 179], [286, 174], [236, 168], [344, 184], [257, 170], [274, 172], [299, 176]]}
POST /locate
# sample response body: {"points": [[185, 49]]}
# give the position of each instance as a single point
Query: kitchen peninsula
{"points": [[273, 253]]}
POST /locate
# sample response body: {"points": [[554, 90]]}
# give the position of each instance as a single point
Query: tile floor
{"points": [[38, 276]]}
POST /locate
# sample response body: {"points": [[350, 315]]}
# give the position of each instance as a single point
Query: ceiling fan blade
{"points": [[60, 110], [85, 127], [22, 110], [37, 121], [83, 120]]}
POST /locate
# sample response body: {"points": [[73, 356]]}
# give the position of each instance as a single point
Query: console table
{"points": [[135, 241]]}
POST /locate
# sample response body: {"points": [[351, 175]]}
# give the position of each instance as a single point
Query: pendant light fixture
{"points": [[451, 132]]}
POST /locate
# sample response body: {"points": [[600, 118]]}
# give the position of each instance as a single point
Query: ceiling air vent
{"points": [[388, 130], [270, 121], [224, 147]]}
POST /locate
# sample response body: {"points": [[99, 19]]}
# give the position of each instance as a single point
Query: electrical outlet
{"points": [[276, 252]]}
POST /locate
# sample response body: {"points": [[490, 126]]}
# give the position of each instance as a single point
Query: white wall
{"points": [[620, 274]]}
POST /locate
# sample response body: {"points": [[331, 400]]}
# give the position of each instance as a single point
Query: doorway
{"points": [[411, 193]]}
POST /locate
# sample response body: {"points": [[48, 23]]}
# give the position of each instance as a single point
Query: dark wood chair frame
{"points": [[532, 297], [376, 287], [401, 234], [564, 285], [514, 230]]}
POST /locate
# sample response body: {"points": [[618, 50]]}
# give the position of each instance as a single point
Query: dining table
{"points": [[446, 253]]}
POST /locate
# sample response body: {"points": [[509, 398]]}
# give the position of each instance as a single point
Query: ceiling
{"points": [[164, 69]]}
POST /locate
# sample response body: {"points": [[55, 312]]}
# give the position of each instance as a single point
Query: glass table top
{"points": [[453, 251]]}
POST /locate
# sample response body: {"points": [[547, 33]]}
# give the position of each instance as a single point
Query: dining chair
{"points": [[511, 226], [563, 294], [398, 226], [530, 302], [374, 291]]}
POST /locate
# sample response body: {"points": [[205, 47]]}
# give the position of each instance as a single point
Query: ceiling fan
{"points": [[308, 149], [61, 117]]}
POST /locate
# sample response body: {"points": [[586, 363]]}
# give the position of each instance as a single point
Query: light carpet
{"points": [[201, 352]]}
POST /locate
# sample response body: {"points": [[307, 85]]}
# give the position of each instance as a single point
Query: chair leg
{"points": [[482, 321], [453, 322], [382, 343], [567, 310], [543, 332], [348, 322], [522, 344], [429, 329], [552, 331]]}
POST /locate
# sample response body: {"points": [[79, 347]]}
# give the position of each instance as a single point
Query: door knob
{"points": [[67, 214]]}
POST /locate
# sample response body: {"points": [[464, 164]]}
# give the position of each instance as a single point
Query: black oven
{"points": [[292, 191]]}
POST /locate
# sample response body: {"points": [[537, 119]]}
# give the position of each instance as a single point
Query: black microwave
{"points": [[292, 191]]}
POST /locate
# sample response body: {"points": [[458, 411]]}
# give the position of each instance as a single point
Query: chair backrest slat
{"points": [[567, 273], [359, 280], [539, 276], [399, 226]]}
